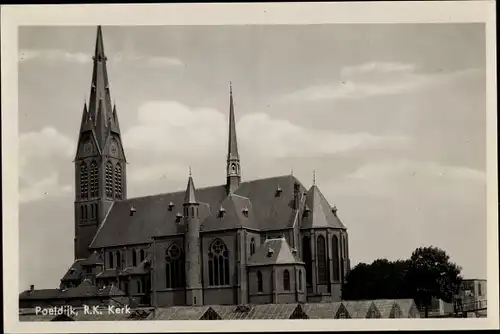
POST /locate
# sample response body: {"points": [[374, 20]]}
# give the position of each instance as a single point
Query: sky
{"points": [[392, 119]]}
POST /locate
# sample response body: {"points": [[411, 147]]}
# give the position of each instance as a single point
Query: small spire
{"points": [[230, 88], [314, 178], [189, 196]]}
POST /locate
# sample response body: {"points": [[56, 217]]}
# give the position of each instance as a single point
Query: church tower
{"points": [[233, 167], [100, 164], [194, 289]]}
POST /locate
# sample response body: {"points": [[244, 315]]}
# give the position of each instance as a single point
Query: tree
{"points": [[431, 274], [382, 279]]}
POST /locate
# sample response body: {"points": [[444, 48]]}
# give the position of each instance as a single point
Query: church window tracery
{"points": [[336, 263], [218, 264], [286, 280], [84, 181], [300, 279], [118, 181], [94, 179], [322, 261], [109, 179], [174, 268]]}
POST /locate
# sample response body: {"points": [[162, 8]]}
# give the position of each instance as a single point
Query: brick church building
{"points": [[241, 242]]}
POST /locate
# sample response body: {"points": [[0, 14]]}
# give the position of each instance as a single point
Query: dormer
{"points": [[270, 252], [222, 212], [245, 211], [278, 191], [178, 217], [132, 211], [171, 206]]}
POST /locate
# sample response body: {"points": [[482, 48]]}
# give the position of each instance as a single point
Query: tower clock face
{"points": [[87, 148], [114, 149]]}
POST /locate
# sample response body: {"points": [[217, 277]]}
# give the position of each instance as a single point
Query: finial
{"points": [[314, 178], [230, 87], [189, 171], [291, 171]]}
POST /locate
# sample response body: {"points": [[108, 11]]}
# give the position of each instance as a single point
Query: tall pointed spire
{"points": [[100, 89], [233, 157], [189, 196], [233, 143]]}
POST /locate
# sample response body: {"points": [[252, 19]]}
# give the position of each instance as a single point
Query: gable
{"points": [[113, 147], [342, 312], [87, 146], [319, 214]]}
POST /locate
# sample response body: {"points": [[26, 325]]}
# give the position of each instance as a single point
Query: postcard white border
{"points": [[233, 14]]}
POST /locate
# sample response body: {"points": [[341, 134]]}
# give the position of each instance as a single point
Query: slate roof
{"points": [[385, 307], [85, 289], [274, 251], [358, 308], [179, 313], [93, 259], [154, 218], [321, 310], [256, 312], [406, 306], [320, 214], [75, 272]]}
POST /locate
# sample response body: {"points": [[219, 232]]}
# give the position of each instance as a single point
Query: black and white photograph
{"points": [[181, 165]]}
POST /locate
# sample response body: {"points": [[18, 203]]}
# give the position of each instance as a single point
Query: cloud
{"points": [[40, 154], [84, 58], [153, 61], [53, 55], [168, 131], [417, 179], [375, 79]]}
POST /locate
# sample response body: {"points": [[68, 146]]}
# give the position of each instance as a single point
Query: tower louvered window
{"points": [[218, 264], [336, 263], [322, 261], [109, 179], [174, 268], [118, 181], [84, 181], [94, 179]]}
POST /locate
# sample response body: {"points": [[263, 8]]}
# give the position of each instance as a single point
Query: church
{"points": [[242, 242]]}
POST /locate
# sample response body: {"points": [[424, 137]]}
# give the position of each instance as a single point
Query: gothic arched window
{"points": [[134, 257], [110, 258], [286, 280], [344, 247], [307, 258], [118, 181], [252, 246], [142, 255], [218, 264], [174, 268], [84, 180], [118, 260], [85, 215], [322, 264], [335, 251], [260, 287], [109, 179], [94, 179], [300, 279], [139, 287]]}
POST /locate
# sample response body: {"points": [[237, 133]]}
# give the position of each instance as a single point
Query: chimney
{"points": [[296, 195]]}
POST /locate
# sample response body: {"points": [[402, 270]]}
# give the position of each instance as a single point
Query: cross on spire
{"points": [[314, 178]]}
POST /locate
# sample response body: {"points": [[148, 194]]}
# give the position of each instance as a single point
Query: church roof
{"points": [[321, 310], [157, 215], [85, 289], [273, 251], [320, 214], [74, 272], [359, 308]]}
